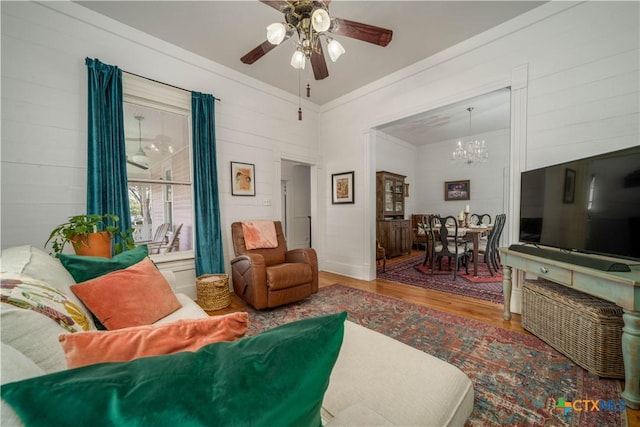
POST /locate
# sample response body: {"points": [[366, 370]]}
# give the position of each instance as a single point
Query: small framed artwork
{"points": [[569, 185], [342, 188], [243, 182], [457, 190]]}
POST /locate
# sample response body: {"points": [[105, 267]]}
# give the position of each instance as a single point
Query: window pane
{"points": [[158, 151], [156, 139]]}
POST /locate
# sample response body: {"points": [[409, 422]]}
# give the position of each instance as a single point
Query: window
{"points": [[158, 145]]}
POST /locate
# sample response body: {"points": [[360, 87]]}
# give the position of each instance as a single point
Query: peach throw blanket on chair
{"points": [[259, 234]]}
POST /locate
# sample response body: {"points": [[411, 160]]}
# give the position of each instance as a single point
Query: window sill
{"points": [[172, 257]]}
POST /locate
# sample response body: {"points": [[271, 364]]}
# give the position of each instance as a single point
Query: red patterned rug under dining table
{"points": [[411, 272]]}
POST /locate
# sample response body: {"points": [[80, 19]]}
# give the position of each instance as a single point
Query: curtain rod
{"points": [[163, 83]]}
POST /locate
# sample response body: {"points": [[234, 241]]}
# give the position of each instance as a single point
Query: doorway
{"points": [[295, 192], [420, 147]]}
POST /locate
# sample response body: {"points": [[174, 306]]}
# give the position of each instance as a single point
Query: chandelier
{"points": [[309, 20], [473, 152]]}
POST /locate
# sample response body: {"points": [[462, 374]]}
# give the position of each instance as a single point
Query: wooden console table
{"points": [[621, 288]]}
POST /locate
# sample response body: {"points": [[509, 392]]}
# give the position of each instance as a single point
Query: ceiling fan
{"points": [[309, 20], [159, 143], [140, 158]]}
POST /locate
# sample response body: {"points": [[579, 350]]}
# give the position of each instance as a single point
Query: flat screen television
{"points": [[590, 205]]}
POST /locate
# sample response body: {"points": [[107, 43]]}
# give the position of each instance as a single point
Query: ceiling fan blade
{"points": [[258, 52], [276, 4], [365, 32], [262, 49], [138, 165], [319, 64]]}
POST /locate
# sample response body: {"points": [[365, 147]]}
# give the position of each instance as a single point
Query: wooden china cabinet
{"points": [[392, 230]]}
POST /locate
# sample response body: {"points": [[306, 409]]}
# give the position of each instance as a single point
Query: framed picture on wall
{"points": [[457, 190], [243, 182], [342, 188]]}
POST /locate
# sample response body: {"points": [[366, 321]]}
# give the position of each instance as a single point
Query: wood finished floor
{"points": [[468, 307]]}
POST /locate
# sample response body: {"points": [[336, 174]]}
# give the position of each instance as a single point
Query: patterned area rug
{"points": [[411, 272], [518, 379], [483, 273]]}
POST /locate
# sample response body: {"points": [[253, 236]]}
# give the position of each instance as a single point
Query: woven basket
{"points": [[584, 328], [213, 291]]}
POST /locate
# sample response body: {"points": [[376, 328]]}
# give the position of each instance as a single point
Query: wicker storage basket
{"points": [[213, 291], [586, 329]]}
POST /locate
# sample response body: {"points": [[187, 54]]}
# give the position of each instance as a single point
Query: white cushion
{"points": [[189, 310], [15, 366], [28, 293], [36, 263], [372, 368], [34, 335], [356, 416], [8, 417]]}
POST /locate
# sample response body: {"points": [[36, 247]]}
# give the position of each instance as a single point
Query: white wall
{"points": [[487, 180], [44, 119], [573, 69]]}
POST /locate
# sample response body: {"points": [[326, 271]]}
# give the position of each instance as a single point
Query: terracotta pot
{"points": [[93, 244]]}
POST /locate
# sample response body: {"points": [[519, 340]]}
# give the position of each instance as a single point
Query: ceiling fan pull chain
{"points": [[299, 98]]}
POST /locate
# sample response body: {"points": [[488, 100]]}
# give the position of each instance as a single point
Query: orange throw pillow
{"points": [[138, 295], [87, 348]]}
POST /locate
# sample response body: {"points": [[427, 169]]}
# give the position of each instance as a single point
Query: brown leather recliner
{"points": [[267, 278]]}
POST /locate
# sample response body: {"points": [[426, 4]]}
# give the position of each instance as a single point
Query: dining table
{"points": [[472, 234]]}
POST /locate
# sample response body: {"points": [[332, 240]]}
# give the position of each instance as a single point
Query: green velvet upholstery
{"points": [[277, 378], [84, 268]]}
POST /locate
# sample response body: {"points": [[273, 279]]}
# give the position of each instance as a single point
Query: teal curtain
{"points": [[107, 190], [208, 238]]}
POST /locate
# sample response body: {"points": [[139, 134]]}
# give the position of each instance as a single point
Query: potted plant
{"points": [[91, 234]]}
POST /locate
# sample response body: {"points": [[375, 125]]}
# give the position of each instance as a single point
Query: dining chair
{"points": [[489, 246], [447, 241], [424, 229], [417, 228], [492, 254], [479, 219]]}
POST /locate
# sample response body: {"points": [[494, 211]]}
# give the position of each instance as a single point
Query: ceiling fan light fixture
{"points": [[320, 20], [298, 60], [310, 21], [140, 158], [335, 49], [276, 33]]}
